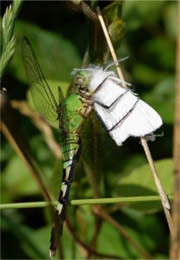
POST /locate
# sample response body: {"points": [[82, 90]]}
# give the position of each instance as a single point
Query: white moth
{"points": [[120, 111]]}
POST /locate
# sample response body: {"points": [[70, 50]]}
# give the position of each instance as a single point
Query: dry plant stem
{"points": [[175, 238], [93, 243], [163, 196], [111, 48], [32, 168], [86, 10], [41, 124], [28, 161], [164, 199], [12, 133], [98, 210]]}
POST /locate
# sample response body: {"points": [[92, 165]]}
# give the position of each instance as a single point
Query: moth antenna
{"points": [[113, 63]]}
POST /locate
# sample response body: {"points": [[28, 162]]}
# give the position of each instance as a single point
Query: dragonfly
{"points": [[120, 111]]}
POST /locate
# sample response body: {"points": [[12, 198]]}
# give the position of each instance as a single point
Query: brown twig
{"points": [[99, 222], [15, 138], [13, 134], [98, 210], [89, 250], [175, 238], [163, 196], [86, 10], [41, 124]]}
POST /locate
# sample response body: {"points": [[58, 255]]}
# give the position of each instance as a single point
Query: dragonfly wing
{"points": [[128, 116], [42, 95], [42, 104]]}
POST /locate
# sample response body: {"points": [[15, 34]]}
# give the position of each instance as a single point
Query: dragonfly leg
{"points": [[85, 112]]}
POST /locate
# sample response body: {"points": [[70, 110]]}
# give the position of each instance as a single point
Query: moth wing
{"points": [[109, 91], [143, 120], [130, 116]]}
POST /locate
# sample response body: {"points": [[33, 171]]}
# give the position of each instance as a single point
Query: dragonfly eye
{"points": [[81, 81]]}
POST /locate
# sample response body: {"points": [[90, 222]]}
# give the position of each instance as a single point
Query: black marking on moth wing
{"points": [[120, 121], [124, 117], [100, 85], [101, 121], [113, 103]]}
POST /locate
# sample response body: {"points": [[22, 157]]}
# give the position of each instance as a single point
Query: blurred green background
{"points": [[60, 35]]}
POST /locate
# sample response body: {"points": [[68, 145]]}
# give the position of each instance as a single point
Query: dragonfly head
{"points": [[81, 80]]}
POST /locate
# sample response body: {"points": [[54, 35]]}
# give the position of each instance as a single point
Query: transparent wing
{"points": [[42, 95]]}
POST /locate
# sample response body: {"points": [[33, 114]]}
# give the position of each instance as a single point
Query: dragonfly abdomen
{"points": [[71, 153]]}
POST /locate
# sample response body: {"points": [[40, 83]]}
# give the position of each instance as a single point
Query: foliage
{"points": [[8, 40], [60, 35]]}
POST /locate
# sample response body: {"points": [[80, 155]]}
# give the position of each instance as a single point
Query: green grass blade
{"points": [[8, 40]]}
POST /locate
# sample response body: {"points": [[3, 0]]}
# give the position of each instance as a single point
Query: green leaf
{"points": [[40, 238], [141, 13], [116, 31], [7, 28], [12, 222], [160, 52], [116, 26], [147, 75], [163, 93], [17, 181], [57, 56], [112, 242], [109, 241], [113, 11], [140, 182], [7, 55], [7, 25]]}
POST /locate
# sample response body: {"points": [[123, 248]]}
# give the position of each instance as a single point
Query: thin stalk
{"points": [[175, 238], [164, 198], [23, 205], [94, 240], [123, 200]]}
